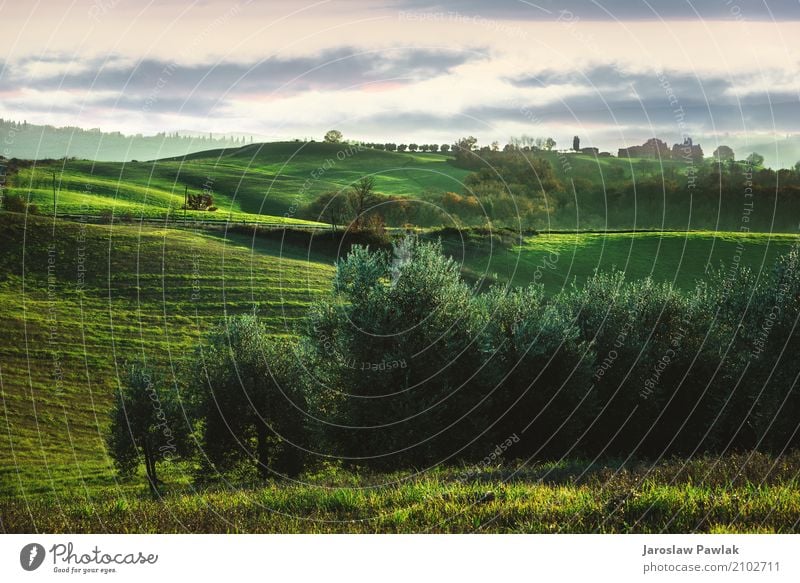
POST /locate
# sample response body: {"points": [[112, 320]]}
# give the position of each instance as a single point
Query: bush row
{"points": [[405, 366]]}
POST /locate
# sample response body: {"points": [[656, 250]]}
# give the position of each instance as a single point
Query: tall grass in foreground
{"points": [[733, 493]]}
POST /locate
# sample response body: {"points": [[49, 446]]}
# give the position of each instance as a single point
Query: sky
{"points": [[614, 73]]}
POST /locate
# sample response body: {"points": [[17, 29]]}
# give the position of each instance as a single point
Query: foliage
{"points": [[397, 340], [331, 207], [755, 159], [201, 201], [249, 397], [146, 424], [17, 204], [333, 137], [612, 367]]}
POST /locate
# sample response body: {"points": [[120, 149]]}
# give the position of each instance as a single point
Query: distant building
{"points": [[687, 151], [590, 151], [652, 148]]}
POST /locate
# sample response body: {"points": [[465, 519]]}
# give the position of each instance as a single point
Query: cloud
{"points": [[671, 101], [610, 10], [331, 70]]}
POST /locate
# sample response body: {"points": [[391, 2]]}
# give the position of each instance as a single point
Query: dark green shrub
{"points": [[400, 340], [250, 399]]}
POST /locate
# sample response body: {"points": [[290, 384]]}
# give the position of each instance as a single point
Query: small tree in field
{"points": [[250, 399], [362, 196], [331, 207], [145, 425], [333, 137], [755, 159]]}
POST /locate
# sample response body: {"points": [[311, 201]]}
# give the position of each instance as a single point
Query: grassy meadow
{"points": [[261, 182], [556, 260], [78, 301], [733, 494], [125, 292], [114, 294]]}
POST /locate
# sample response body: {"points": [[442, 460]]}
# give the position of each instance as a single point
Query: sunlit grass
{"points": [[509, 499]]}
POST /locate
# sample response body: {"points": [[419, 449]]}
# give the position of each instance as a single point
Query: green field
{"points": [[733, 494], [557, 260], [272, 182], [133, 291], [260, 182], [115, 294]]}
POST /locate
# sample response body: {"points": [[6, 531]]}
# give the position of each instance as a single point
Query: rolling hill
{"points": [[259, 182], [77, 301]]}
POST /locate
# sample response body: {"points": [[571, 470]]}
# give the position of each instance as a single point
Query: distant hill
{"points": [[40, 142], [256, 182]]}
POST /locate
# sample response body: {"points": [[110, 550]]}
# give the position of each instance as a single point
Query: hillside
{"points": [[78, 301], [260, 182], [275, 183], [40, 142]]}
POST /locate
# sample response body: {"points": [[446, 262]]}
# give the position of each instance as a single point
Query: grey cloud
{"points": [[610, 83], [626, 10], [662, 99], [331, 70]]}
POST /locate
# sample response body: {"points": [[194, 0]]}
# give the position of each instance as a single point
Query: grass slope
{"points": [[557, 260], [731, 494], [77, 301], [256, 182]]}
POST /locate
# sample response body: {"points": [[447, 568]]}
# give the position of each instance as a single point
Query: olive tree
{"points": [[398, 340], [251, 402], [147, 424]]}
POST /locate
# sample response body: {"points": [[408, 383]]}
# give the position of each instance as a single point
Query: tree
{"points": [[202, 201], [466, 144], [413, 147], [444, 148], [723, 154], [406, 319], [755, 159], [330, 207], [402, 147], [145, 425], [549, 144], [251, 398], [433, 147], [463, 150], [362, 197], [576, 144], [333, 137]]}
